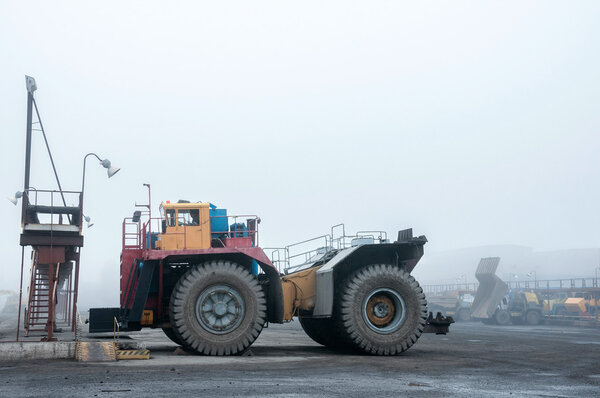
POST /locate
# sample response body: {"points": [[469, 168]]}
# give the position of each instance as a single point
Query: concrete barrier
{"points": [[15, 351]]}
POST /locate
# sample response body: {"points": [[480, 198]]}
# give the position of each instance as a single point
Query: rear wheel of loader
{"points": [[217, 308], [382, 310], [502, 318], [533, 317], [172, 336], [323, 331]]}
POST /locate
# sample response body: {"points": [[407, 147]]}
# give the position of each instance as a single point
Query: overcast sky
{"points": [[475, 123]]}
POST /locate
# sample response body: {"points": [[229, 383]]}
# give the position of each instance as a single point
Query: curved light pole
{"points": [[110, 170]]}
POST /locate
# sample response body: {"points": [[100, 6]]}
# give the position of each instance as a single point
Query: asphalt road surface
{"points": [[473, 360]]}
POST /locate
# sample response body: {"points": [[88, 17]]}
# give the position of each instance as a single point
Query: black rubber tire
{"points": [[188, 289], [323, 331], [533, 317], [502, 318], [463, 315], [357, 289], [172, 336]]}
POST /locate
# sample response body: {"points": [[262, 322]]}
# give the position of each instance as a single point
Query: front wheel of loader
{"points": [[217, 308], [382, 310]]}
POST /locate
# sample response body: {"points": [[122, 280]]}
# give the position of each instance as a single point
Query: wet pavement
{"points": [[473, 360]]}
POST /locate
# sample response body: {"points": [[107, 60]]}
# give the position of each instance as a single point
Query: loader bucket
{"points": [[490, 291]]}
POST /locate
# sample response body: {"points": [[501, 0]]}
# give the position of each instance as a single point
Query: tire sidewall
{"points": [[394, 279], [186, 294], [502, 318]]}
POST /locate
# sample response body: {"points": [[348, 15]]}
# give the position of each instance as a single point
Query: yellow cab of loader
{"points": [[185, 226]]}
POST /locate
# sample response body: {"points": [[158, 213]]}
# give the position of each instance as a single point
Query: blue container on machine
{"points": [[238, 230], [218, 222]]}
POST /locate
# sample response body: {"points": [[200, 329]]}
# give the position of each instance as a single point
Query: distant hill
{"points": [[448, 266]]}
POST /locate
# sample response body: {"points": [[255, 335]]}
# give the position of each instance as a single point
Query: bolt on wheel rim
{"points": [[384, 310], [220, 309]]}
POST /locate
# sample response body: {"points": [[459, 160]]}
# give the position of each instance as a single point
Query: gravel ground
{"points": [[473, 360]]}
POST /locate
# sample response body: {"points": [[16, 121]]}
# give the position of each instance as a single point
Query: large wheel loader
{"points": [[201, 276]]}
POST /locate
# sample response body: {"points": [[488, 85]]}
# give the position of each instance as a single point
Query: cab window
{"points": [[188, 217], [170, 217]]}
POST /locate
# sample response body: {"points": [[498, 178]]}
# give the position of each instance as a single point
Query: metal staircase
{"points": [[38, 303]]}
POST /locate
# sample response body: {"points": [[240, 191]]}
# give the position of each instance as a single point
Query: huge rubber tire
{"points": [[218, 308], [172, 336], [502, 318], [533, 317], [382, 310], [463, 315], [323, 331]]}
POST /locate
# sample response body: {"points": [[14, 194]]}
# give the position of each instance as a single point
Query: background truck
{"points": [[200, 275], [496, 304], [454, 303]]}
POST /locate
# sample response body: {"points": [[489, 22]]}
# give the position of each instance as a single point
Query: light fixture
{"points": [[88, 220], [110, 170], [15, 199]]}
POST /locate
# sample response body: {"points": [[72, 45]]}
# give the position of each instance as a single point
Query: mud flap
{"points": [[438, 325]]}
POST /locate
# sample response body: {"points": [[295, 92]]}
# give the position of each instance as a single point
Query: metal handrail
{"points": [[138, 238], [543, 285], [331, 242], [41, 196]]}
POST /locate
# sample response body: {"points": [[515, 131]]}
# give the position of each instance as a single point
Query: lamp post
{"points": [[110, 170]]}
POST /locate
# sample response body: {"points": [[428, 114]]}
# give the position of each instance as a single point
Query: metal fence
{"points": [[542, 286]]}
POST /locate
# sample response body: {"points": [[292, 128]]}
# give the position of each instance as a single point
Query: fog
{"points": [[474, 123]]}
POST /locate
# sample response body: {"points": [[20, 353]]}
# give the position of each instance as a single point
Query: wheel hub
{"points": [[384, 310], [220, 309]]}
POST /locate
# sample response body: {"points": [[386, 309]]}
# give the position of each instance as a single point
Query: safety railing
{"points": [[302, 254], [50, 208], [450, 287], [131, 234], [556, 284], [138, 234], [543, 285]]}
